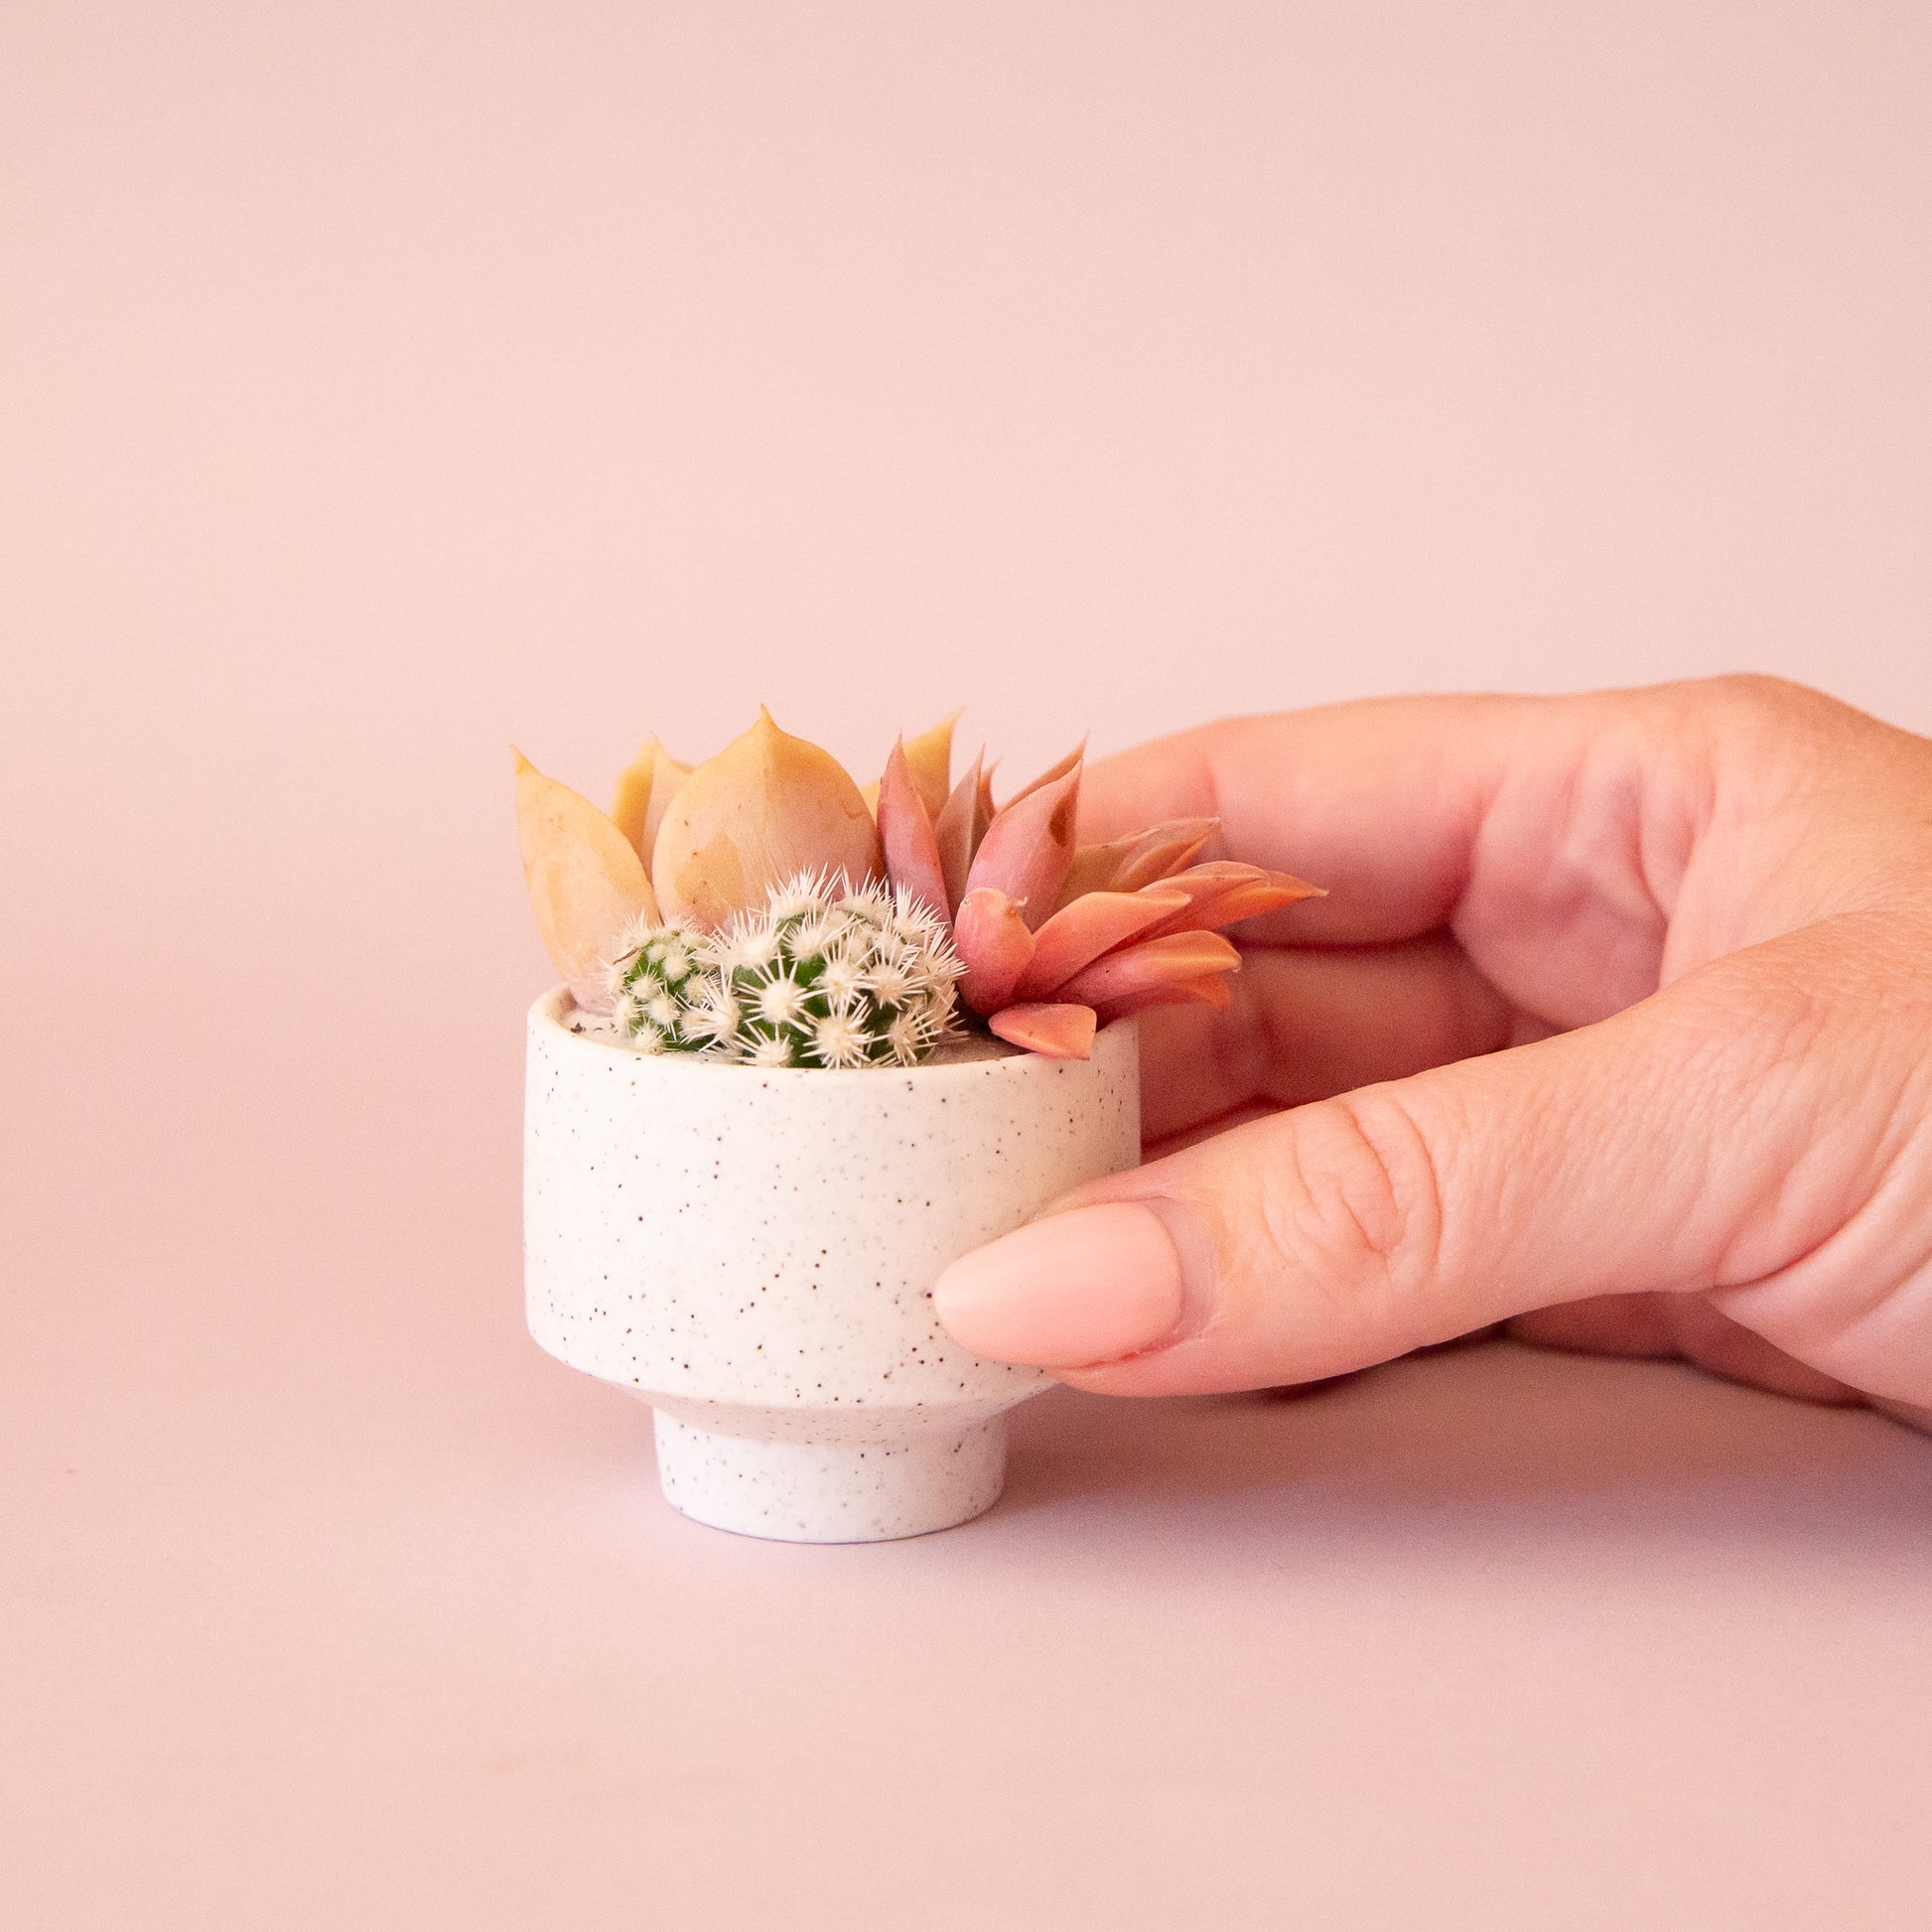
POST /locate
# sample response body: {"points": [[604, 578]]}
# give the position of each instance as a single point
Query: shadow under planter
{"points": [[752, 1251]]}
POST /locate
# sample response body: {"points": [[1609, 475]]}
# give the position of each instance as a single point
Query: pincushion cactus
{"points": [[821, 977], [658, 976], [764, 909]]}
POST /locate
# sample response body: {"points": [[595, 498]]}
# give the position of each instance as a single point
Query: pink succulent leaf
{"points": [[1151, 963], [1051, 776], [983, 810], [1060, 1032], [1095, 869], [1222, 893], [1029, 847], [995, 942], [929, 759], [1162, 850], [1077, 934], [906, 835], [1139, 859], [1211, 876], [1243, 902], [1212, 991], [1207, 880], [957, 831]]}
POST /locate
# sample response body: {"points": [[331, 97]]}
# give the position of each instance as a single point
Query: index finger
{"points": [[1381, 801]]}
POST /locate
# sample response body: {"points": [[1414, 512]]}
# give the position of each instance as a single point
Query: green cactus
{"points": [[822, 977], [659, 973]]}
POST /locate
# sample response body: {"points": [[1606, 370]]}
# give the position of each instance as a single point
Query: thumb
{"points": [[1659, 1150]]}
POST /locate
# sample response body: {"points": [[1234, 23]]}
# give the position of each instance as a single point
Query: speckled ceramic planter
{"points": [[753, 1253]]}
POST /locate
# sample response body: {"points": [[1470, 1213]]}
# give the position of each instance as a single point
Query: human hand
{"points": [[1616, 1027]]}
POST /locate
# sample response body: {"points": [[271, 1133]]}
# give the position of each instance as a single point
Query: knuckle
{"points": [[1801, 1047], [1755, 698], [1357, 1202], [1773, 722], [1761, 690]]}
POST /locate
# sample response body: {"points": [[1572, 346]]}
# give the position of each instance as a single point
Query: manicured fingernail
{"points": [[1088, 1286]]}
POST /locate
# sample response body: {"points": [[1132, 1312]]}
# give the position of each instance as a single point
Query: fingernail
{"points": [[1088, 1286]]}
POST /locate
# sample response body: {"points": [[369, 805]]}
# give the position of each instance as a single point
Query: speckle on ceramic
{"points": [[752, 1252]]}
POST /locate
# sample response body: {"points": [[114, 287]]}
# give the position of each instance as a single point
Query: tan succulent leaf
{"points": [[644, 791], [585, 880], [767, 807]]}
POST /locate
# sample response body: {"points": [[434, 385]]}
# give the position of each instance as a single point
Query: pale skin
{"points": [[1615, 1028]]}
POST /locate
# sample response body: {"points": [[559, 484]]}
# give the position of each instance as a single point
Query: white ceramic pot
{"points": [[752, 1251]]}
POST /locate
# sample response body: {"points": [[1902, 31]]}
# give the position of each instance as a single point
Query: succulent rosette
{"points": [[763, 908]]}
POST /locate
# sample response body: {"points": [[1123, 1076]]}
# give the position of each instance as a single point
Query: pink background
{"points": [[381, 383]]}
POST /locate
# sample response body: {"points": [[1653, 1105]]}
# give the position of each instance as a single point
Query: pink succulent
{"points": [[1058, 938]]}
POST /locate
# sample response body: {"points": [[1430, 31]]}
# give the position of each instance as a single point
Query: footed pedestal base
{"points": [[831, 1493]]}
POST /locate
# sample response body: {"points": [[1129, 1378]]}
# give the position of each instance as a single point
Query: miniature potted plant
{"points": [[814, 1043]]}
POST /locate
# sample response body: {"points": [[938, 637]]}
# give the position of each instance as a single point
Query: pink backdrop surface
{"points": [[381, 383]]}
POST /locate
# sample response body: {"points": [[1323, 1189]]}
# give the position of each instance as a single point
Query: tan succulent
{"points": [[644, 791], [767, 807], [585, 880]]}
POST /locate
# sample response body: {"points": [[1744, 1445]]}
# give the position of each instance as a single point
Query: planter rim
{"points": [[547, 1009]]}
